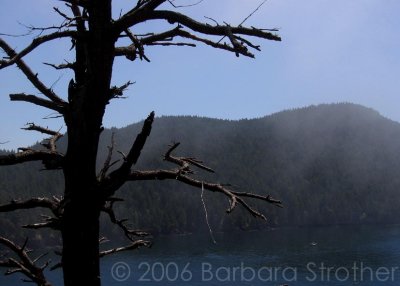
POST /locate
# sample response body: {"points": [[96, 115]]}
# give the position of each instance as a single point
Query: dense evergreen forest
{"points": [[329, 164]]}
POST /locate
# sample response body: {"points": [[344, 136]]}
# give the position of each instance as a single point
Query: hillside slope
{"points": [[330, 164]]}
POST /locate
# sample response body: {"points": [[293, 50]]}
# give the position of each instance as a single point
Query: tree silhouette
{"points": [[95, 37]]}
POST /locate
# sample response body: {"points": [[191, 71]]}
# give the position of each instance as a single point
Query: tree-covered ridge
{"points": [[330, 164]]}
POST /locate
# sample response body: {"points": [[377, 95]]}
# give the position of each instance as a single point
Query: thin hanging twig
{"points": [[206, 214]]}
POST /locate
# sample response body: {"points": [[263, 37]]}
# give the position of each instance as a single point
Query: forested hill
{"points": [[330, 164]]}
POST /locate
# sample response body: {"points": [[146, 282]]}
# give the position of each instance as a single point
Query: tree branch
{"points": [[24, 265], [51, 159], [60, 108], [67, 65], [107, 163], [131, 19], [118, 177], [134, 245], [81, 3], [175, 17], [239, 44], [184, 6], [182, 174], [184, 162], [49, 222], [118, 91], [142, 7], [15, 57], [165, 44], [129, 233], [136, 47], [50, 204], [177, 175], [131, 51], [31, 76], [184, 34], [55, 135]]}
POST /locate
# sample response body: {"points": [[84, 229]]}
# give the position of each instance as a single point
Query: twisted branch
{"points": [[60, 108], [146, 10], [239, 44], [24, 264], [182, 174], [129, 233], [31, 76], [55, 135], [15, 57]]}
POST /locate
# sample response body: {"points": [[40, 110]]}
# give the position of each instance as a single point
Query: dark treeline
{"points": [[330, 164]]}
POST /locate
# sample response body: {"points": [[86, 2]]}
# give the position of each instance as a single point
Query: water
{"points": [[339, 255]]}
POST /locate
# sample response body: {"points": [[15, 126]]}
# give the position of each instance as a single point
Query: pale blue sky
{"points": [[332, 51]]}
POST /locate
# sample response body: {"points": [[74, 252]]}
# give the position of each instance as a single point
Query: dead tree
{"points": [[95, 37]]}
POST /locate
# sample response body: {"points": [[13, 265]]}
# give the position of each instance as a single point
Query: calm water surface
{"points": [[339, 255]]}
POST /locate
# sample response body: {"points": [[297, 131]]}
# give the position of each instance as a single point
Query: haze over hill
{"points": [[329, 164]]}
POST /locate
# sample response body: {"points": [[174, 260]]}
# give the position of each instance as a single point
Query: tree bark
{"points": [[80, 231], [82, 201], [88, 97]]}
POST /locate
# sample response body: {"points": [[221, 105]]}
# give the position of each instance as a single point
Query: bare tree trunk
{"points": [[80, 232], [88, 97], [94, 33], [80, 236]]}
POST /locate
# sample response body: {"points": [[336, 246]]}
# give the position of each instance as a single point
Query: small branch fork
{"points": [[118, 91], [52, 205], [31, 76], [54, 222], [50, 157], [110, 183], [14, 57], [51, 142], [130, 234], [22, 263]]}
